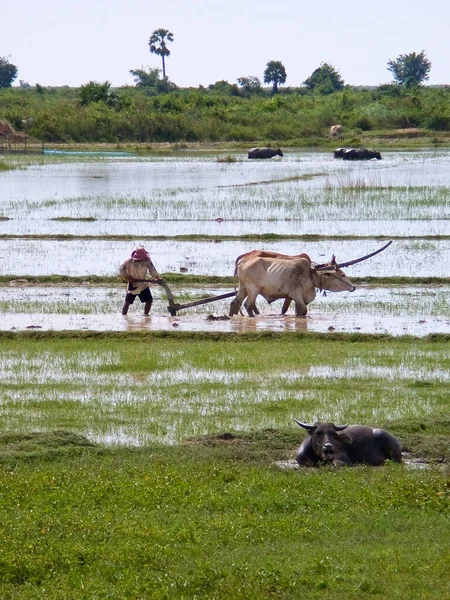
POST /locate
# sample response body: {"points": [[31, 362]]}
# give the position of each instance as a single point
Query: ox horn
{"points": [[352, 262]]}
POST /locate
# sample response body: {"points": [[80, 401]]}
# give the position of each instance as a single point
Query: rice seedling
{"points": [[6, 166]]}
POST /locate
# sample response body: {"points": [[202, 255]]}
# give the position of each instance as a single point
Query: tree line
{"points": [[156, 110], [98, 113], [407, 70]]}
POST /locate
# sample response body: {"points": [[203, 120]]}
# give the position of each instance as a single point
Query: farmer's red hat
{"points": [[140, 254]]}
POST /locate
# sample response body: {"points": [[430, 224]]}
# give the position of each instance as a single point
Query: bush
{"points": [[438, 122]]}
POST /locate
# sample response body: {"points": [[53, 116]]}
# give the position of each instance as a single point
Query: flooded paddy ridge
{"points": [[412, 310], [225, 226]]}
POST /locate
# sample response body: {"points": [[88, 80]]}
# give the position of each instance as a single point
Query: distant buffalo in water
{"points": [[264, 152], [347, 445], [339, 152], [360, 154]]}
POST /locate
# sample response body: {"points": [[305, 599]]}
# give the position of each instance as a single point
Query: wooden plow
{"points": [[174, 307]]}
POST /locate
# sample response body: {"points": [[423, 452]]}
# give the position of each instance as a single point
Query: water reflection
{"points": [[288, 323]]}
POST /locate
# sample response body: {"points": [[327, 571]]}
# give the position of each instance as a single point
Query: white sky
{"points": [[71, 42]]}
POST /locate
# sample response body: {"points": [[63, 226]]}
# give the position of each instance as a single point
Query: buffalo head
{"points": [[329, 441]]}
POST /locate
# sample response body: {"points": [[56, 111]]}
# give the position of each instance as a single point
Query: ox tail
{"points": [[237, 261]]}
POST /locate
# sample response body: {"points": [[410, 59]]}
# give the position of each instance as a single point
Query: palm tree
{"points": [[275, 73], [158, 45]]}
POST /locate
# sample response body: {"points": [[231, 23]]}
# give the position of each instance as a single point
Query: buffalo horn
{"points": [[304, 425]]}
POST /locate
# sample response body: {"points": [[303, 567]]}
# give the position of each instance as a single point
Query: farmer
{"points": [[134, 270]]}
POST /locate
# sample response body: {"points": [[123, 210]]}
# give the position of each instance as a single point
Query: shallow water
{"points": [[142, 229], [406, 194], [408, 258], [410, 463], [416, 311], [303, 193], [71, 178]]}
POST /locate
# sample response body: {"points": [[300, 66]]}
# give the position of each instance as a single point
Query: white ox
{"points": [[336, 132], [269, 254], [292, 279]]}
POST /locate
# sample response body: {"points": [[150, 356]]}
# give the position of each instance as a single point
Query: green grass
{"points": [[5, 165], [226, 158], [165, 388], [200, 509], [209, 522]]}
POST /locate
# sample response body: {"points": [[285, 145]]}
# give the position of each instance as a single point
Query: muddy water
{"points": [[317, 323], [410, 463], [404, 310]]}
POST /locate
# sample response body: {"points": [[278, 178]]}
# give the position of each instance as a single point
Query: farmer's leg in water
{"points": [[147, 299], [129, 299]]}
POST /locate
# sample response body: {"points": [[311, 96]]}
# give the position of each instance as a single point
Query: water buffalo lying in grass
{"points": [[360, 154], [264, 152], [347, 445]]}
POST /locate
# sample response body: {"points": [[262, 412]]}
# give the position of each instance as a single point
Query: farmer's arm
{"points": [[124, 274], [153, 272]]}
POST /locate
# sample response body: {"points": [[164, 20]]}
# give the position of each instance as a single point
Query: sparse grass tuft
{"points": [[226, 158], [5, 166]]}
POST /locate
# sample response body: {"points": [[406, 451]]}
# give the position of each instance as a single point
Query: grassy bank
{"points": [[412, 117]]}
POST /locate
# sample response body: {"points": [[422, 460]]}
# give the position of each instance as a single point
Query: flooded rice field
{"points": [[82, 218], [302, 193], [404, 258], [108, 206], [401, 310]]}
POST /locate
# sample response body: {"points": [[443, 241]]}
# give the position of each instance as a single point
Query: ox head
{"points": [[332, 278], [328, 441]]}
